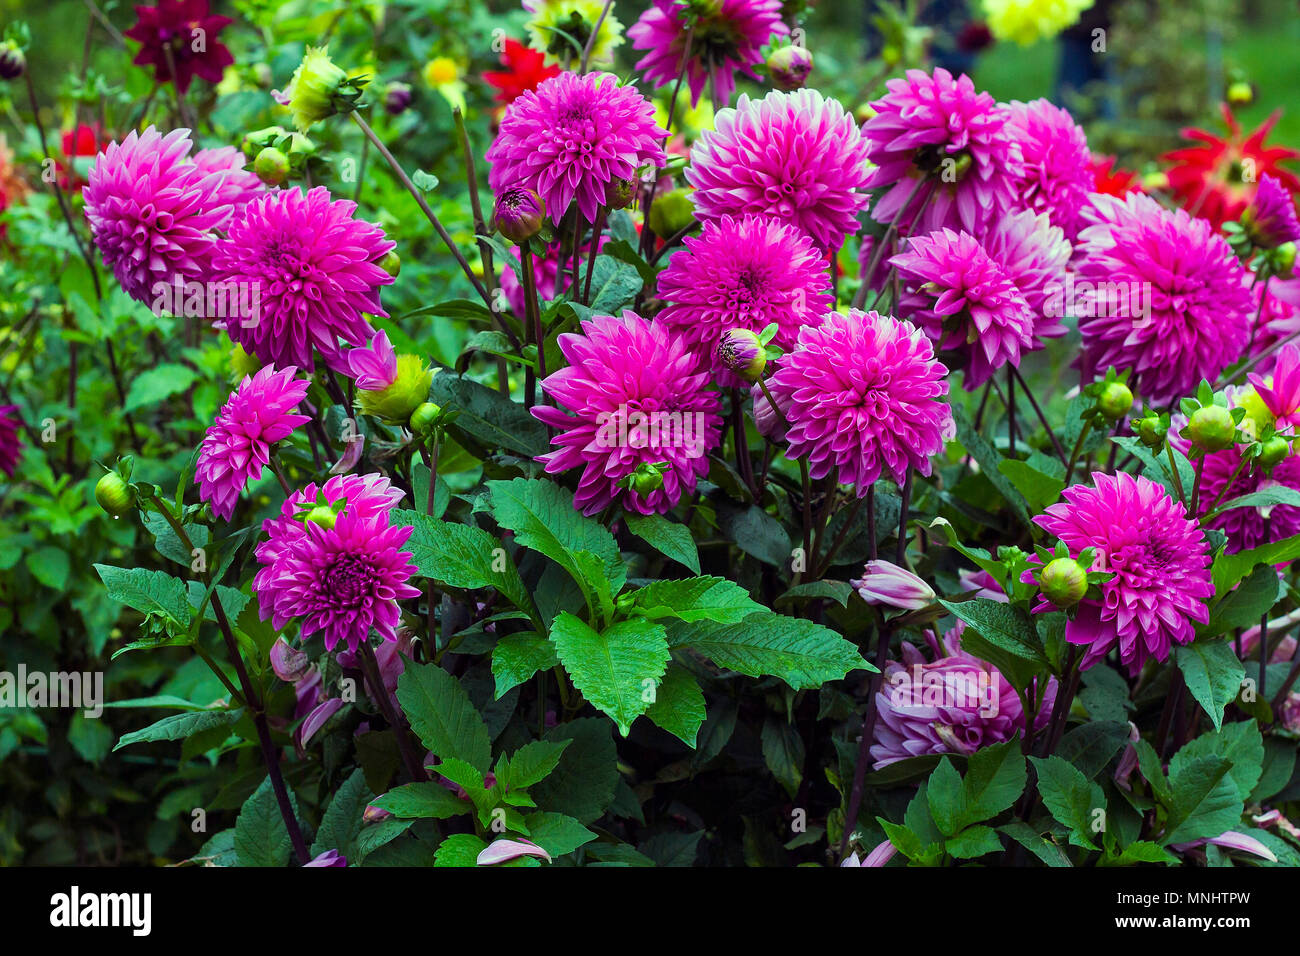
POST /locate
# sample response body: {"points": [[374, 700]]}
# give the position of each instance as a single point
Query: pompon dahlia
{"points": [[743, 273], [1057, 174], [976, 311], [315, 270], [1270, 219], [1169, 299], [237, 446], [635, 397], [863, 394], [571, 138], [797, 157], [728, 35], [938, 127], [10, 446], [239, 185], [1159, 560], [181, 34], [525, 69], [1027, 21], [152, 211]]}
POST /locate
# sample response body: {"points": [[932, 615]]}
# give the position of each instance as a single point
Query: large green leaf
{"points": [[517, 657], [341, 824], [489, 416], [582, 783], [693, 599], [261, 838], [673, 540], [1072, 799], [1204, 800], [947, 796], [995, 777], [1003, 635], [423, 799], [161, 598], [678, 705], [1244, 606], [442, 716], [1239, 742], [1213, 673], [616, 669], [1229, 569], [180, 726]]}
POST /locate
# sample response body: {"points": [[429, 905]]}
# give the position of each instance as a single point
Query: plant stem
{"points": [[1078, 447], [597, 229], [1196, 487], [1056, 444], [860, 297], [379, 693], [1173, 471]]}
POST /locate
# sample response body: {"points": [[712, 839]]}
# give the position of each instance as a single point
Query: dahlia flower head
{"points": [[167, 35], [152, 208], [743, 274], [316, 272], [1159, 560], [937, 127], [1026, 22], [796, 157], [572, 137], [1057, 175], [10, 446], [1142, 258], [373, 366], [1270, 219], [1280, 390], [342, 581], [864, 396], [728, 37], [237, 446], [577, 18], [239, 185], [635, 395]]}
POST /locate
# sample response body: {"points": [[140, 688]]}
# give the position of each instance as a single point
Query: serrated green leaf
{"points": [[693, 599], [261, 838], [442, 716], [1072, 799], [783, 752], [342, 822], [1213, 673], [180, 726], [517, 657], [582, 783], [532, 762], [556, 833], [422, 799], [615, 667], [155, 384], [678, 705], [673, 540]]}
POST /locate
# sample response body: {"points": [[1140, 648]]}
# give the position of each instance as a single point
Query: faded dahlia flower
{"points": [[237, 446], [746, 274], [635, 396], [571, 138], [728, 36], [1270, 219], [797, 157], [863, 394], [561, 28], [342, 581], [939, 127], [1027, 21], [1159, 560], [152, 211], [1057, 174], [977, 309], [181, 34], [316, 271], [1170, 300], [10, 446]]}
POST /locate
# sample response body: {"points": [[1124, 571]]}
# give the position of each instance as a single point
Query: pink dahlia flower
{"points": [[1057, 175], [315, 270], [368, 496], [1276, 307], [1280, 391], [1250, 527], [635, 397], [939, 127], [237, 446], [797, 157], [1270, 219], [743, 274], [993, 321], [10, 446], [238, 185], [572, 137], [863, 394], [1168, 298], [152, 211], [1159, 560], [374, 366], [729, 36]]}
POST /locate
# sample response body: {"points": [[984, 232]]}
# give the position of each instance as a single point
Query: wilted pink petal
{"points": [[317, 718], [503, 850], [329, 858]]}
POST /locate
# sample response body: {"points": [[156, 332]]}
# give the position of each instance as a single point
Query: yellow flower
{"points": [[560, 28], [1028, 21], [443, 74]]}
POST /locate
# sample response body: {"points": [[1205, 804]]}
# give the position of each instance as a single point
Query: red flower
{"points": [[181, 34], [1216, 180], [79, 143], [525, 68], [1112, 181]]}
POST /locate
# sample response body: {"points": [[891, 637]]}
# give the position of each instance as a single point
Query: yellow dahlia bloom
{"points": [[553, 22], [1028, 21]]}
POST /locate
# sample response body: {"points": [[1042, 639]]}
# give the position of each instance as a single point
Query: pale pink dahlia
{"points": [[938, 127], [977, 311], [1057, 175], [797, 157], [237, 446], [1159, 558], [863, 394], [316, 273], [729, 35], [635, 397], [152, 211], [1170, 299], [572, 137], [10, 446], [743, 274], [238, 185]]}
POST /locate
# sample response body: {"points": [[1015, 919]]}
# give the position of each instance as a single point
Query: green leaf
{"points": [[459, 849], [673, 848], [1070, 797], [556, 833], [517, 657], [156, 594], [974, 841], [947, 797], [673, 540], [1229, 569], [155, 384], [989, 461], [166, 541], [342, 822], [490, 417], [1038, 488], [582, 784], [1279, 766], [261, 838], [995, 778], [1239, 742], [613, 285], [1003, 635], [1267, 498], [422, 799], [693, 599], [1204, 800], [533, 762], [678, 706], [800, 652], [613, 668], [1035, 843], [756, 533], [1213, 674], [442, 716], [1243, 607], [837, 591], [1090, 747], [783, 752], [1140, 851], [180, 726], [90, 738], [49, 566]]}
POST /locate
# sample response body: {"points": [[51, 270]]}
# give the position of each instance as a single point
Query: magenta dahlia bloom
{"points": [[1057, 174], [863, 394], [373, 366], [1250, 527], [237, 446], [884, 582], [238, 185], [572, 137], [743, 274], [1170, 300], [367, 496], [729, 36], [1270, 219], [1280, 391], [994, 322], [181, 34], [10, 446], [922, 122], [636, 397], [797, 157], [316, 272], [152, 211], [1159, 559]]}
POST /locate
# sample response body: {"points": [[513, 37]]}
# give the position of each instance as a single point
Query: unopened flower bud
{"points": [[1064, 582], [289, 664], [885, 583], [13, 63], [1211, 428], [789, 66], [318, 90], [741, 352], [395, 403], [1284, 259], [671, 213], [424, 417], [374, 814], [1274, 452], [619, 193], [1156, 181], [519, 214], [271, 166], [391, 263], [1115, 401], [114, 495], [1151, 431], [322, 515], [397, 97], [646, 480], [1241, 93]]}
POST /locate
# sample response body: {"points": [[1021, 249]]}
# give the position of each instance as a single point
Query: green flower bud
{"points": [[1241, 93], [391, 263], [319, 89], [424, 417], [671, 213], [271, 166], [789, 66], [1275, 451], [1211, 428], [645, 482], [1284, 259], [1064, 582], [1151, 431], [13, 63], [1115, 401], [323, 516], [409, 390], [114, 495]]}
